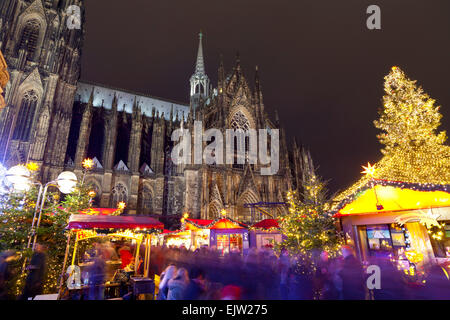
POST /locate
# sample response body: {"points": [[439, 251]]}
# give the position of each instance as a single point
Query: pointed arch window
{"points": [[147, 200], [119, 193], [239, 121], [25, 116], [29, 38]]}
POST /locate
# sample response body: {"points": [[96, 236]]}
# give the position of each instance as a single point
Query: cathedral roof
{"points": [[103, 95]]}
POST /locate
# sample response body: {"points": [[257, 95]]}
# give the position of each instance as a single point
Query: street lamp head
{"points": [[66, 181], [20, 177]]}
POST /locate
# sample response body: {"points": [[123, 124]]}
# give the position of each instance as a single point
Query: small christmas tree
{"points": [[308, 227], [17, 210]]}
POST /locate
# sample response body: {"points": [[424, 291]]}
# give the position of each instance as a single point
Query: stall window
{"points": [[227, 243], [441, 247], [385, 240]]}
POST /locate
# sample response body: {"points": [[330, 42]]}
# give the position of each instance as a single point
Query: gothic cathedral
{"points": [[56, 120]]}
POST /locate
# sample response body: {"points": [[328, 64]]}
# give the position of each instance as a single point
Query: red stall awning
{"points": [[83, 221], [266, 224]]}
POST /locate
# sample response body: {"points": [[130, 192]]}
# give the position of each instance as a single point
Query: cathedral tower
{"points": [[199, 80], [42, 51]]}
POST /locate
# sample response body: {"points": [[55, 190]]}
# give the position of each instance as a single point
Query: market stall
{"points": [[406, 222], [177, 238], [265, 234], [84, 226], [225, 234]]}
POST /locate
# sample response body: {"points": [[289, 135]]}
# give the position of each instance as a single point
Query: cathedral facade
{"points": [[56, 120]]}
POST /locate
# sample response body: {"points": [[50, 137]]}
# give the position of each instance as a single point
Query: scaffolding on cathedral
{"points": [[258, 210]]}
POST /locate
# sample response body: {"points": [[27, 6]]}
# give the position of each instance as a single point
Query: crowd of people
{"points": [[204, 274]]}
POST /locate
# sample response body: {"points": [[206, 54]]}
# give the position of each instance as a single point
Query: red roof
{"points": [[98, 211], [165, 231], [223, 223], [267, 224], [200, 222], [83, 221]]}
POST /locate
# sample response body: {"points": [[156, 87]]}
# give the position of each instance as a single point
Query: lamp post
{"points": [[65, 182], [20, 177]]}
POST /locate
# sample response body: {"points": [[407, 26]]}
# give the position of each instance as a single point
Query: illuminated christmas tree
{"points": [[308, 227], [17, 210], [414, 149], [409, 118]]}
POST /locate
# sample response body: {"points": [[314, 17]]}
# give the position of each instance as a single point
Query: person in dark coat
{"points": [[6, 274], [352, 275], [197, 287], [34, 284]]}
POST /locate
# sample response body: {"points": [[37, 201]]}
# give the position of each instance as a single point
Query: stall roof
{"points": [[392, 199], [266, 224], [224, 223], [83, 221], [98, 211]]}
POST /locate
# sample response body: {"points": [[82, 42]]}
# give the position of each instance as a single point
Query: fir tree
{"points": [[17, 210], [409, 117], [308, 227], [414, 149]]}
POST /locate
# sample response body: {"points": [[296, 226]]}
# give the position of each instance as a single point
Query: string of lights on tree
{"points": [[414, 154]]}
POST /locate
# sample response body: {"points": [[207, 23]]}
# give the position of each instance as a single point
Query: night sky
{"points": [[319, 64]]}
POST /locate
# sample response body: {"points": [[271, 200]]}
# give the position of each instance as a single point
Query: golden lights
{"points": [[32, 166], [121, 205], [88, 163], [369, 170]]}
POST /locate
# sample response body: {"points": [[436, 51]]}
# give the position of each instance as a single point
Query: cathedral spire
{"points": [[221, 73], [200, 65], [91, 98], [199, 80]]}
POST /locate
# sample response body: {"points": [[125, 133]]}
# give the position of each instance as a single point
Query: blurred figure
{"points": [[165, 276], [283, 269], [109, 253], [34, 283], [197, 286], [324, 286], [231, 292], [301, 283], [6, 274], [97, 278], [351, 273], [125, 256], [93, 252], [437, 285], [393, 286], [178, 284]]}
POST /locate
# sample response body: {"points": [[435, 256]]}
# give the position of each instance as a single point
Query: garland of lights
{"points": [[387, 183], [210, 225], [101, 231], [271, 229]]}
